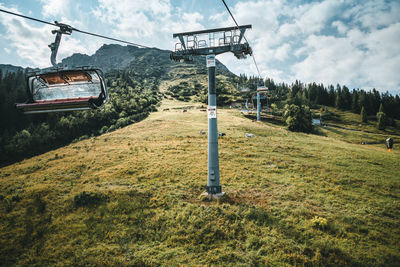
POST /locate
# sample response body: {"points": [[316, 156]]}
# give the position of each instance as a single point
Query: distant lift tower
{"points": [[210, 43], [260, 90]]}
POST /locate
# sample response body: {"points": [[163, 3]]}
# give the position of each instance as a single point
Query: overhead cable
{"points": [[254, 59], [74, 29]]}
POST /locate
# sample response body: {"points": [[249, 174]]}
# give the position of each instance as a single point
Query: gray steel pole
{"points": [[258, 107], [213, 184]]}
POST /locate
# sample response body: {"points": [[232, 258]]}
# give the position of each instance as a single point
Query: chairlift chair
{"points": [[64, 89], [245, 89], [262, 89]]}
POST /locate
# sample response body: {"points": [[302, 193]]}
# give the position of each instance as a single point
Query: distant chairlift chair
{"points": [[64, 89]]}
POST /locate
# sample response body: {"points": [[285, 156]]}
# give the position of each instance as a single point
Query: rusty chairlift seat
{"points": [[65, 90]]}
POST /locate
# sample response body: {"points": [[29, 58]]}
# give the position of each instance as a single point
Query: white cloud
{"points": [[358, 59], [316, 16], [287, 30], [329, 60], [55, 8], [149, 22], [282, 53], [31, 43], [375, 14], [341, 27]]}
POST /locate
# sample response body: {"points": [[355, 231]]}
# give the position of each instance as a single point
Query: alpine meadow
{"points": [[142, 156]]}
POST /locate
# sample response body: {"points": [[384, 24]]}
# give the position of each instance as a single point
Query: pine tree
{"points": [[354, 103], [376, 99], [339, 103], [396, 113], [346, 98], [331, 96], [381, 116], [363, 114]]}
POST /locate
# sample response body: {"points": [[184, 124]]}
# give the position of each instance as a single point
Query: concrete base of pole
{"points": [[211, 197]]}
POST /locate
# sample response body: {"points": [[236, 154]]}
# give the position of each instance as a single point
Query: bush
{"points": [[319, 222], [298, 118]]}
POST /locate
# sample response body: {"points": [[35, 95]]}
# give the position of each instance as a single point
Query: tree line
{"points": [[359, 101]]}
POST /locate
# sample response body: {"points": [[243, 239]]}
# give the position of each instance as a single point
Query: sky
{"points": [[346, 42]]}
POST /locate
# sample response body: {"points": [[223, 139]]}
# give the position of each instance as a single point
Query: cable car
{"points": [[64, 89]]}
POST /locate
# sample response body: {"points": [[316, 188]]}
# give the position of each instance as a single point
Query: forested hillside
{"points": [[341, 97]]}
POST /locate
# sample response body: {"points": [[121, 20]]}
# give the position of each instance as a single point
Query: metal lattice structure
{"points": [[214, 41]]}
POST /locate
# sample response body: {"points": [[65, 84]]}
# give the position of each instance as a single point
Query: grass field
{"points": [[131, 197]]}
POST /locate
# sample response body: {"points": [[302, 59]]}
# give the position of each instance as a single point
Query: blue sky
{"points": [[353, 43]]}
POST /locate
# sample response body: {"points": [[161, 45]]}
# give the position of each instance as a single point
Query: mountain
{"points": [[118, 57]]}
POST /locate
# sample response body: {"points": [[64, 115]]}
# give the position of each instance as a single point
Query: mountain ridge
{"points": [[118, 57]]}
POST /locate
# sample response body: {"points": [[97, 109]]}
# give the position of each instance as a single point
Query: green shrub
{"points": [[319, 222], [298, 118]]}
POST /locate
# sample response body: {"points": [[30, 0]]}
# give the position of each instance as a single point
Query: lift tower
{"points": [[210, 43], [260, 90]]}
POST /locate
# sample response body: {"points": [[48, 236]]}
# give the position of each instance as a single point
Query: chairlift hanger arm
{"points": [[63, 29]]}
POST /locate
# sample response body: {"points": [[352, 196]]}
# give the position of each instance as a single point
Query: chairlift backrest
{"points": [[245, 90], [262, 89], [63, 85]]}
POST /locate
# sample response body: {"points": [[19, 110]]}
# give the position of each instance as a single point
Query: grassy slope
{"points": [[144, 209], [367, 131]]}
